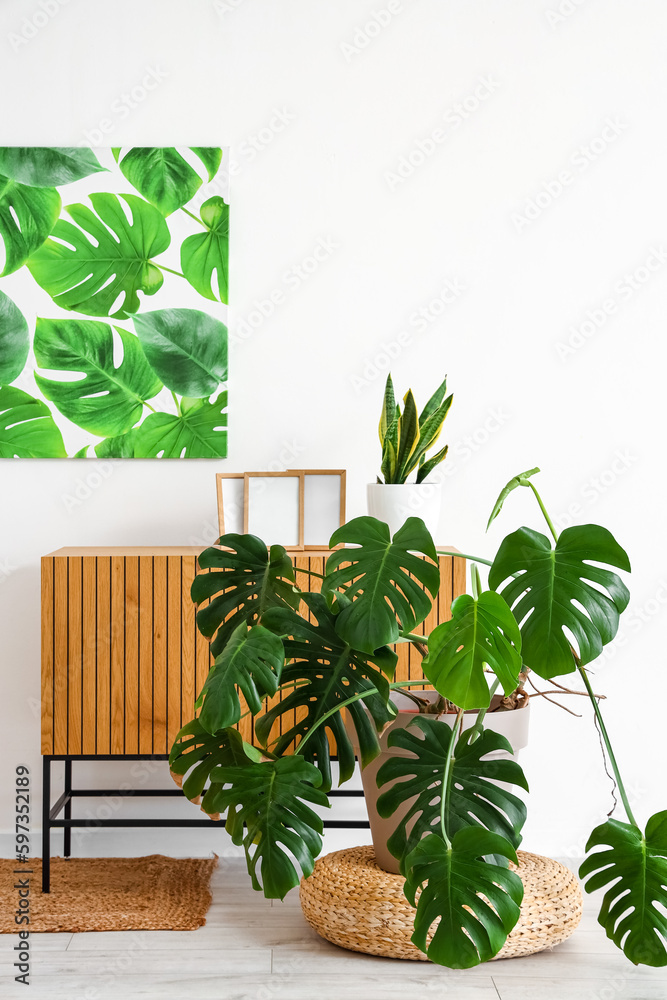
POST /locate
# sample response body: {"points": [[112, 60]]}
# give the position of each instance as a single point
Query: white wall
{"points": [[340, 116]]}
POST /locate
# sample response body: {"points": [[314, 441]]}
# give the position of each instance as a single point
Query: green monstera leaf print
{"points": [[186, 348], [27, 429], [27, 216], [14, 340], [164, 177], [198, 431], [205, 256], [99, 266], [109, 400], [48, 166]]}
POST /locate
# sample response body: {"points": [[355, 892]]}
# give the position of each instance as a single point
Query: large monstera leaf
{"points": [[477, 904], [205, 256], [108, 400], [48, 166], [246, 579], [196, 753], [199, 430], [326, 671], [474, 799], [14, 340], [104, 257], [186, 348], [164, 177], [634, 907], [251, 661], [267, 813], [481, 632], [27, 429], [557, 590], [383, 579], [265, 802], [27, 216]]}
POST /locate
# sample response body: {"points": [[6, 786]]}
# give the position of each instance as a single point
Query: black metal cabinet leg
{"points": [[46, 824], [67, 830]]}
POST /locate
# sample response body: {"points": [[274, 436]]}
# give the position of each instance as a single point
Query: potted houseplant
{"points": [[405, 437], [550, 607]]}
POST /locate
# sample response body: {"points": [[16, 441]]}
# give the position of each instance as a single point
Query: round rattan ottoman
{"points": [[352, 902]]}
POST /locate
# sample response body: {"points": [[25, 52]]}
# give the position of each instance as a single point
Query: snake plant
{"points": [[406, 436]]}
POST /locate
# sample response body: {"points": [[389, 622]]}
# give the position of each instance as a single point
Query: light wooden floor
{"points": [[251, 949]]}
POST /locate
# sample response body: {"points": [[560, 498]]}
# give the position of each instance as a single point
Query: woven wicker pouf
{"points": [[352, 902]]}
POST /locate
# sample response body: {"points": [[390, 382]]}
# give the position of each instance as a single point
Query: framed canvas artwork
{"points": [[113, 302]]}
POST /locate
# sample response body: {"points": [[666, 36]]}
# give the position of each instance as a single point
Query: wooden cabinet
{"points": [[122, 660]]}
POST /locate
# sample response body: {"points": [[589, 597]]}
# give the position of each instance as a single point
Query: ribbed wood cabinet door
{"points": [[122, 660]]}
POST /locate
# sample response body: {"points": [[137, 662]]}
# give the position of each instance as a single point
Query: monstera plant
{"points": [[294, 660]]}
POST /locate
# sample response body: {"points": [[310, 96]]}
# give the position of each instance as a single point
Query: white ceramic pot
{"points": [[512, 725], [395, 503]]}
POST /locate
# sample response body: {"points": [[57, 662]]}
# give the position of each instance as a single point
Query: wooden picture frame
{"points": [[251, 518], [230, 524], [335, 514]]}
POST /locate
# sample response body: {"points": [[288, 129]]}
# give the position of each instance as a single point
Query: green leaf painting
{"points": [[105, 258]]}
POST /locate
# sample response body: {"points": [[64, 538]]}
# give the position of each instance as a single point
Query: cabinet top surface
{"points": [[72, 551]]}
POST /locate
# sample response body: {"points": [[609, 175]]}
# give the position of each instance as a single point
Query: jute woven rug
{"points": [[110, 894]]}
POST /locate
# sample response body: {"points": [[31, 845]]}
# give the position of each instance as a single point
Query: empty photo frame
{"points": [[299, 509], [230, 493], [273, 507], [324, 506]]}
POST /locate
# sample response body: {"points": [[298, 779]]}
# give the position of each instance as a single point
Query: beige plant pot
{"points": [[512, 725]]}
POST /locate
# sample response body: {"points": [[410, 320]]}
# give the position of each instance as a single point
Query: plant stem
{"points": [[151, 408], [170, 269], [445, 779], [482, 712], [193, 217], [475, 581], [464, 555], [544, 510], [175, 398], [310, 572], [607, 743], [333, 711]]}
